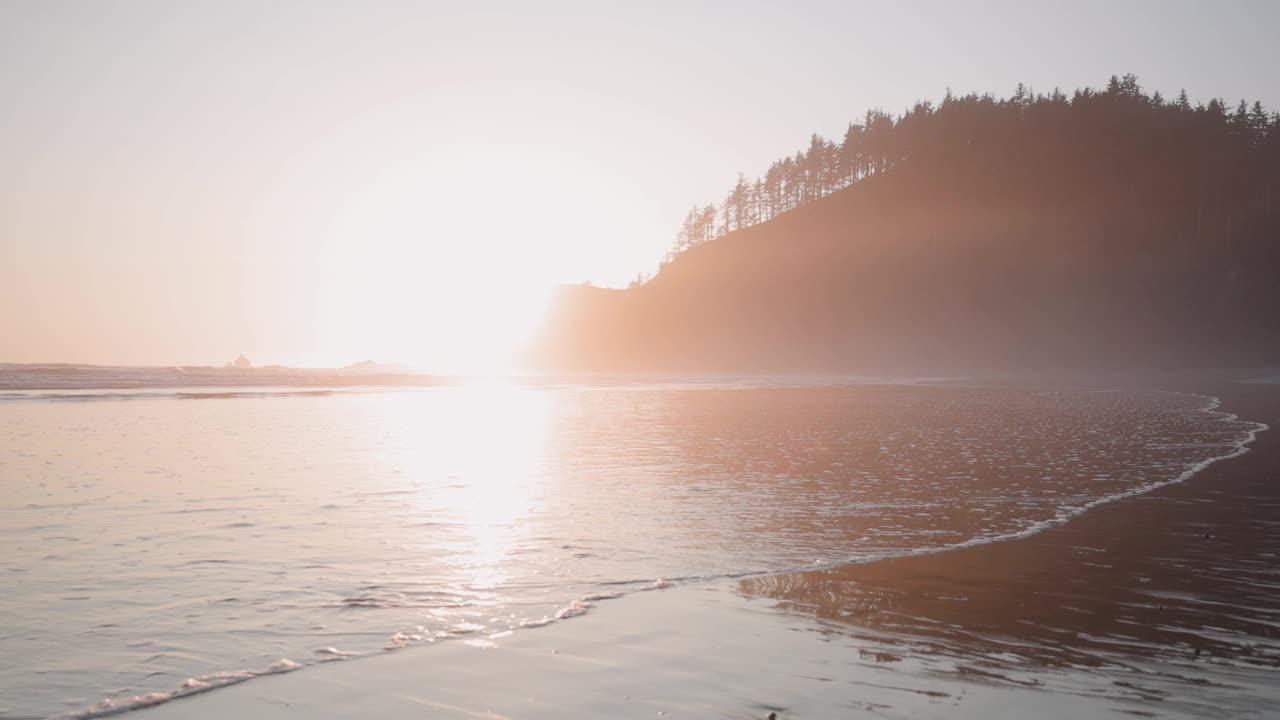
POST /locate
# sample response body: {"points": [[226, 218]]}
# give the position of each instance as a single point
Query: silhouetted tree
{"points": [[1206, 156]]}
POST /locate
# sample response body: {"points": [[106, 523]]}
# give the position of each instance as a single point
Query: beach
{"points": [[1158, 605], [639, 360]]}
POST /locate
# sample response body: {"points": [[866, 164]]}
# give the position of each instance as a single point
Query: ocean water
{"points": [[160, 541]]}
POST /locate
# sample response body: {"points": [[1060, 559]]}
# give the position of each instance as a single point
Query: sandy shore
{"points": [[1163, 605]]}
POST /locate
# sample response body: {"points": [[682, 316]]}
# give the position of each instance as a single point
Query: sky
{"points": [[318, 183]]}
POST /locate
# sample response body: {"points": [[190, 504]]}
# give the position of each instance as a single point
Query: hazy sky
{"points": [[322, 182]]}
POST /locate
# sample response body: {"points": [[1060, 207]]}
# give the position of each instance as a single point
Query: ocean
{"points": [[158, 539]]}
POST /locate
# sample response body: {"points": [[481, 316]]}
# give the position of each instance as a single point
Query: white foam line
{"points": [[192, 686], [1211, 407]]}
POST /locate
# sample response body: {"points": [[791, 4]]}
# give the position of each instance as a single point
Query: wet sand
{"points": [[1169, 598], [1162, 605]]}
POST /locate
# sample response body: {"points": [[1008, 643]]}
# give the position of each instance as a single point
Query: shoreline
{"points": [[888, 611]]}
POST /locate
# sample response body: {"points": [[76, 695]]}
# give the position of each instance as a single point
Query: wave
{"points": [[622, 588], [103, 392], [191, 686], [54, 396], [15, 377]]}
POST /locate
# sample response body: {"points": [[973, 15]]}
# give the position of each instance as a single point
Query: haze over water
{"points": [[148, 541]]}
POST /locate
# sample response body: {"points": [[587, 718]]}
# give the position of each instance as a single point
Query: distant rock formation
{"points": [[240, 363], [372, 367]]}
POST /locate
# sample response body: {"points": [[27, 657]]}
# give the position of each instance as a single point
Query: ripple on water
{"points": [[453, 514]]}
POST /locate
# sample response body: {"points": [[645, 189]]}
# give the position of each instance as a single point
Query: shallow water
{"points": [[151, 539]]}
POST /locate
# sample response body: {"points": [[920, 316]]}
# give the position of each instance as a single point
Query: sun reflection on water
{"points": [[477, 463]]}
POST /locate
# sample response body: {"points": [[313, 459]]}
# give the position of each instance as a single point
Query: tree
{"points": [[1206, 155], [1257, 123], [1240, 121], [773, 188], [851, 154], [708, 221]]}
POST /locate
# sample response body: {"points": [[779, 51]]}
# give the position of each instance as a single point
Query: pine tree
{"points": [[1221, 151]]}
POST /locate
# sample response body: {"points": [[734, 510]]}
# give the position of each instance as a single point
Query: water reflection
{"points": [[286, 526], [1183, 599], [475, 458]]}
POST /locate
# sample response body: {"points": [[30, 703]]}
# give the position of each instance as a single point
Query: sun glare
{"points": [[488, 494], [457, 329], [449, 284]]}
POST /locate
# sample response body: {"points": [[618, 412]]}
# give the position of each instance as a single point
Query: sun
{"points": [[480, 333], [455, 276], [462, 315]]}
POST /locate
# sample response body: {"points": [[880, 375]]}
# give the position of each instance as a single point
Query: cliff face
{"points": [[951, 270]]}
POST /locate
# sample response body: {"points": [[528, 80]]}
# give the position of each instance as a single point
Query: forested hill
{"points": [[1106, 229]]}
